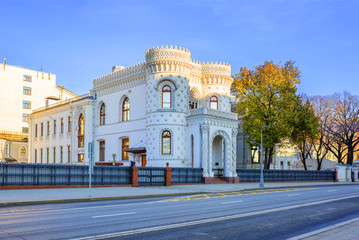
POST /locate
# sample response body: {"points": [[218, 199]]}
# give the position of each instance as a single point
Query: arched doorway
{"points": [[218, 156]]}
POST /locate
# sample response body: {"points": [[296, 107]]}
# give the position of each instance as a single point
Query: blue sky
{"points": [[81, 40]]}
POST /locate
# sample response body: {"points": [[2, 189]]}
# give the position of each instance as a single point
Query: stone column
{"points": [[341, 173], [234, 151], [205, 143], [355, 170], [349, 174]]}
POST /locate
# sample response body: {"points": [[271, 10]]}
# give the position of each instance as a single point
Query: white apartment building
{"points": [[169, 108], [21, 91]]}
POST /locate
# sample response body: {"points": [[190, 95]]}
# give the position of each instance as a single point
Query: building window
{"points": [[35, 155], [23, 150], [54, 126], [25, 130], [61, 154], [125, 145], [69, 124], [102, 114], [26, 104], [26, 91], [35, 133], [213, 102], [48, 128], [80, 157], [54, 154], [47, 155], [25, 117], [166, 96], [166, 142], [126, 110], [62, 125], [81, 132], [102, 151], [41, 155], [42, 129], [27, 78], [68, 154]]}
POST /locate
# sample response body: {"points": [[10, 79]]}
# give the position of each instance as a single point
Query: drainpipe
{"points": [[92, 144]]}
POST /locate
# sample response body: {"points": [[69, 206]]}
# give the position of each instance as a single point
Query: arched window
{"points": [[23, 150], [126, 110], [166, 96], [166, 142], [213, 102], [81, 132], [102, 114]]}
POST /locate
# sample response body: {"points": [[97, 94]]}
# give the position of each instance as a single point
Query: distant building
{"points": [[169, 108], [21, 91], [13, 147]]}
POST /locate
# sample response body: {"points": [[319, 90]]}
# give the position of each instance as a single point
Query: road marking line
{"points": [[319, 231], [209, 220], [232, 202], [112, 215], [292, 195], [222, 194]]}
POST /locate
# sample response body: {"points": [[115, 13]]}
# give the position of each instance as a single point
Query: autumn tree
{"points": [[265, 95]]}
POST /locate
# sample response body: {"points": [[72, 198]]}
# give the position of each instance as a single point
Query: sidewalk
{"points": [[33, 196]]}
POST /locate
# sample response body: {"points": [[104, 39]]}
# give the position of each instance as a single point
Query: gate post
{"points": [[168, 171], [134, 176]]}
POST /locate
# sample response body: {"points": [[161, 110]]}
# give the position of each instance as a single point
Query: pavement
{"points": [[346, 230]]}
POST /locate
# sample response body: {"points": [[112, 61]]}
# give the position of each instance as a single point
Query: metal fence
{"points": [[186, 175], [16, 174], [253, 175], [151, 176]]}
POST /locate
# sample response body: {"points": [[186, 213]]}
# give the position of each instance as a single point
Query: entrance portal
{"points": [[218, 156]]}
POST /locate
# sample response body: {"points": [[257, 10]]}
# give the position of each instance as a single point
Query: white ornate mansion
{"points": [[169, 108]]}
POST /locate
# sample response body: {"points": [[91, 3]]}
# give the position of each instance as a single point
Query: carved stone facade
{"points": [[179, 112]]}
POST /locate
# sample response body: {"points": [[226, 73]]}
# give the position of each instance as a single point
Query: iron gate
{"points": [[149, 176]]}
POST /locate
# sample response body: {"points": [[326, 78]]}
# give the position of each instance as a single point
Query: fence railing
{"points": [[16, 174], [253, 175], [186, 175]]}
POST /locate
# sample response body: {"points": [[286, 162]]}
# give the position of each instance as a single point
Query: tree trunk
{"points": [[350, 156]]}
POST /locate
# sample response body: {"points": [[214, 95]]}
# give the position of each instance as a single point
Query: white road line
{"points": [[332, 190], [112, 215], [316, 232], [232, 202], [209, 220], [292, 195], [80, 208]]}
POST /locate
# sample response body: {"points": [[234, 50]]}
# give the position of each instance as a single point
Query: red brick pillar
{"points": [[135, 176], [168, 171]]}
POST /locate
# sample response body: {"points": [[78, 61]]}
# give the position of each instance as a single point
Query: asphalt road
{"points": [[277, 214]]}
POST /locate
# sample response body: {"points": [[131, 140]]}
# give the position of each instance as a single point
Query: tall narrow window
{"points": [[69, 124], [54, 155], [213, 102], [166, 96], [166, 142], [125, 145], [35, 155], [81, 132], [68, 154], [102, 151], [35, 133], [48, 128], [126, 110], [80, 157], [61, 154], [102, 114], [42, 129], [62, 125], [41, 155], [47, 155], [54, 126]]}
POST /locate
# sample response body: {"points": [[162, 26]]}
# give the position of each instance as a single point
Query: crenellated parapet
{"points": [[120, 75], [168, 59], [216, 73]]}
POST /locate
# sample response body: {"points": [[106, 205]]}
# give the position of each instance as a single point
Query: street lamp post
{"points": [[261, 181]]}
